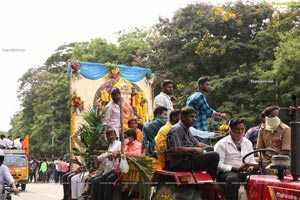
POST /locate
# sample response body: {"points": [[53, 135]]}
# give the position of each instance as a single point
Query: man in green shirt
{"points": [[43, 170]]}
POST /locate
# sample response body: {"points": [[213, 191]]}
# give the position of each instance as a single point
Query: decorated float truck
{"points": [[91, 83]]}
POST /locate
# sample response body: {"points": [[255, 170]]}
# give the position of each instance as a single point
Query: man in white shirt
{"points": [[2, 141], [18, 142], [164, 97], [109, 163], [231, 150], [9, 142]]}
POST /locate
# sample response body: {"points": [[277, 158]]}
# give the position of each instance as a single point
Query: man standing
{"points": [[164, 97], [112, 113], [199, 103], [232, 149], [187, 153], [274, 134], [150, 130]]}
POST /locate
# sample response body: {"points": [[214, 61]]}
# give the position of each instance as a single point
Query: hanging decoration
{"points": [[75, 68], [77, 103], [72, 130], [94, 71]]}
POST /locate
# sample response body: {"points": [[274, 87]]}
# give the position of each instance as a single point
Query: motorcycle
{"points": [[5, 192]]}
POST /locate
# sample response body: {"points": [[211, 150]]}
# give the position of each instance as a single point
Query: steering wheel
{"points": [[260, 163]]}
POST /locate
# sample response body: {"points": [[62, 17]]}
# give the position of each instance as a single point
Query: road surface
{"points": [[41, 191]]}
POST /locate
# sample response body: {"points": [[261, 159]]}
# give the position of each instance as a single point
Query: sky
{"points": [[31, 30]]}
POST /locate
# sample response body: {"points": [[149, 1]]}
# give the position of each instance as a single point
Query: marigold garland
{"points": [[72, 129]]}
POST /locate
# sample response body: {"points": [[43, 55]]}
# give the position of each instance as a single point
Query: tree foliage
{"points": [[251, 52]]}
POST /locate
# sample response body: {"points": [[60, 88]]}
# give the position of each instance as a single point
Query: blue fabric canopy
{"points": [[94, 71]]}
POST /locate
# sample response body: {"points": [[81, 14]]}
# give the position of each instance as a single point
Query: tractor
{"points": [[196, 185]]}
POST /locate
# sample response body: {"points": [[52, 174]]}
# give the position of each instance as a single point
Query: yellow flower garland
{"points": [[72, 130]]}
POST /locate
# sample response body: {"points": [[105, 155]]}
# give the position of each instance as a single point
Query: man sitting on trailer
{"points": [[186, 153]]}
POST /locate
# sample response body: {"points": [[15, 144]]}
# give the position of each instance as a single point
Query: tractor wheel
{"points": [[173, 192], [23, 187]]}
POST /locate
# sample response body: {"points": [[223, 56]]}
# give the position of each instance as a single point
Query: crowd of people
{"points": [[177, 137], [45, 171]]}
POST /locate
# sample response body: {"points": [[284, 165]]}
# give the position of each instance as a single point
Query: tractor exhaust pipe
{"points": [[295, 141]]}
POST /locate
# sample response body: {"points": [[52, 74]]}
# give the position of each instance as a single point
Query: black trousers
{"points": [[188, 162], [65, 185], [103, 186], [233, 181]]}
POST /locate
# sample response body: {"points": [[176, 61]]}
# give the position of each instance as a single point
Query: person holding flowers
{"points": [[198, 101]]}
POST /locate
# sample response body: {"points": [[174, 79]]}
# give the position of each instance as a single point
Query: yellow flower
{"points": [[224, 127]]}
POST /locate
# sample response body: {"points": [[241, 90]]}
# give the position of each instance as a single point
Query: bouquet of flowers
{"points": [[115, 73], [77, 103], [75, 68]]}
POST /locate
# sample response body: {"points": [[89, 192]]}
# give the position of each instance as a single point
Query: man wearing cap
{"points": [[198, 101], [274, 134], [5, 176]]}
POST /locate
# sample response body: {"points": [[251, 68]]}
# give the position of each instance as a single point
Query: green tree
{"points": [[203, 39]]}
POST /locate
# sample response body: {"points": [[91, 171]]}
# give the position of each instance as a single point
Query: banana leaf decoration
{"points": [[139, 176], [141, 169]]}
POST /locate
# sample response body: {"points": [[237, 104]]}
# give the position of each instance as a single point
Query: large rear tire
{"points": [[173, 192], [23, 187]]}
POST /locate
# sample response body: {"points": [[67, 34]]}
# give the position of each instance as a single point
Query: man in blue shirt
{"points": [[150, 130], [199, 103]]}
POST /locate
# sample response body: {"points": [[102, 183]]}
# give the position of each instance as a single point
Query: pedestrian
{"points": [[33, 165], [43, 170]]}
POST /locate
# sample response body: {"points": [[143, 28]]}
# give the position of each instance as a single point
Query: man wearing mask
{"points": [[232, 149], [274, 134]]}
